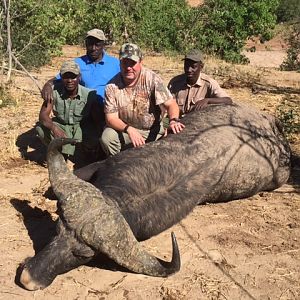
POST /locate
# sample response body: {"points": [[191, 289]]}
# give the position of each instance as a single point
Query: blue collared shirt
{"points": [[96, 75]]}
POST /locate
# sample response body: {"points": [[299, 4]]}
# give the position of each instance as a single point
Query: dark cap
{"points": [[194, 55], [131, 51], [70, 66]]}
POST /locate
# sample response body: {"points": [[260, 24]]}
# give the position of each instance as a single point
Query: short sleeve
{"points": [[216, 90], [110, 103], [161, 92]]}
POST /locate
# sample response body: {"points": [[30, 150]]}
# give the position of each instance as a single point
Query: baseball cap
{"points": [[96, 33], [70, 66], [194, 55], [131, 51]]}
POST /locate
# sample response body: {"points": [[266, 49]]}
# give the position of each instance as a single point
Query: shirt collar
{"points": [[64, 94], [80, 91], [198, 82], [102, 61]]}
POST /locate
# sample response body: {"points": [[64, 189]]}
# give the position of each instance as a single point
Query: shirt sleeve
{"points": [[170, 88], [110, 103], [216, 90], [161, 93]]}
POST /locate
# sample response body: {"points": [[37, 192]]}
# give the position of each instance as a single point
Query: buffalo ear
{"points": [[83, 251]]}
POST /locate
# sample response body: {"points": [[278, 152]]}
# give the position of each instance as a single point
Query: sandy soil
{"points": [[245, 249], [195, 2]]}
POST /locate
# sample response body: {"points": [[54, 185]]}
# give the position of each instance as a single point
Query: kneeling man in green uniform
{"points": [[74, 112]]}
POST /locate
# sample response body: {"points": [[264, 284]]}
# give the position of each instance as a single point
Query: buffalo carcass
{"points": [[224, 153]]}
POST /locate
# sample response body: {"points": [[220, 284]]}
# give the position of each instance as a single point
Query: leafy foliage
{"points": [[288, 112], [292, 62], [288, 10], [161, 25], [41, 27], [229, 23]]}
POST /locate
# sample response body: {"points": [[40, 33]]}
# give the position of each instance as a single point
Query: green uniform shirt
{"points": [[73, 116], [69, 111]]}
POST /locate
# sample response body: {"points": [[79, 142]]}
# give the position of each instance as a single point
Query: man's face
{"points": [[192, 69], [130, 69], [94, 48], [70, 81]]}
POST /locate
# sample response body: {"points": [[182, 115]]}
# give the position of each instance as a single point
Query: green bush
{"points": [[229, 23], [288, 112], [41, 27], [288, 10], [292, 62], [161, 25], [156, 25]]}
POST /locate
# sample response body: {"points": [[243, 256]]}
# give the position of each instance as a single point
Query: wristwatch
{"points": [[126, 128]]}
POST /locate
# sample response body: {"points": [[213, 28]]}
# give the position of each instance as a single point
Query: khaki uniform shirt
{"points": [[187, 95], [137, 106]]}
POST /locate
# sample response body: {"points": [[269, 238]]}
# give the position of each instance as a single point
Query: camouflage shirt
{"points": [[137, 106], [187, 95]]}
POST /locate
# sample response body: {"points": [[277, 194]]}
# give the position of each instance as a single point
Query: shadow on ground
{"points": [[295, 172], [31, 148], [39, 224]]}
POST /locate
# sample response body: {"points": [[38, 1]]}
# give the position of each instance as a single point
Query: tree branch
{"points": [[24, 69], [257, 87], [17, 71], [7, 6]]}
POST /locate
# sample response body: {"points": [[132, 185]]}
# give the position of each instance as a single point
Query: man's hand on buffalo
{"points": [[135, 137], [176, 126]]}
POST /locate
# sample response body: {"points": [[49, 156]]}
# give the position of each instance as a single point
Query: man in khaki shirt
{"points": [[134, 101], [194, 90]]}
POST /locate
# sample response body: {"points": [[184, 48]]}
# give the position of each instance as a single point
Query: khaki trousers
{"points": [[113, 141]]}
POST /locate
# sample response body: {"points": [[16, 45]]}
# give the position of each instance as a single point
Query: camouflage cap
{"points": [[70, 66], [96, 33], [131, 51], [194, 55]]}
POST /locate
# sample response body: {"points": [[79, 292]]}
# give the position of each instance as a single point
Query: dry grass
{"points": [[257, 237], [195, 2]]}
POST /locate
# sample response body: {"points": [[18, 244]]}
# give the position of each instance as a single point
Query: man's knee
{"points": [[108, 136], [110, 141], [43, 133]]}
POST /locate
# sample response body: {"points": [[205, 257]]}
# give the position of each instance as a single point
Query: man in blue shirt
{"points": [[96, 67]]}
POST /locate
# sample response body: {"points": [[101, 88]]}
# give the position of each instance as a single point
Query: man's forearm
{"points": [[47, 122], [173, 110], [221, 100], [116, 124]]}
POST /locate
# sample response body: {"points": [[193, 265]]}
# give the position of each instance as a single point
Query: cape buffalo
{"points": [[225, 153]]}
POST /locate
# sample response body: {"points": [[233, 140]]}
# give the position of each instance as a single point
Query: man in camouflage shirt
{"points": [[134, 102], [194, 90]]}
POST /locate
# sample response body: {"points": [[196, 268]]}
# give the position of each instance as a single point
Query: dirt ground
{"points": [[244, 249]]}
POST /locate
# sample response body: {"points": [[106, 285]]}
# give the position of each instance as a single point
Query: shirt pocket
{"points": [[180, 101], [59, 110], [80, 111]]}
